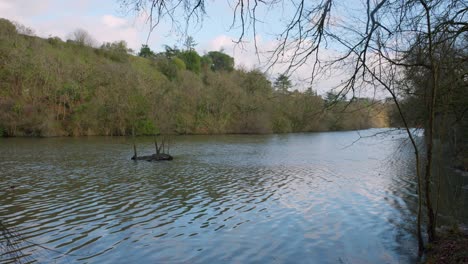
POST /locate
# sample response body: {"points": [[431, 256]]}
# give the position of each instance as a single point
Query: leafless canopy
{"points": [[370, 35], [82, 37]]}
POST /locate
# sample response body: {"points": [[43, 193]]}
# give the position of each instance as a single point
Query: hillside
{"points": [[49, 87]]}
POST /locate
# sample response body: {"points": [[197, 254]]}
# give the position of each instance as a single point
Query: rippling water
{"points": [[298, 198]]}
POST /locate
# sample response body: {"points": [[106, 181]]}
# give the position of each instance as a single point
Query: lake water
{"points": [[295, 198]]}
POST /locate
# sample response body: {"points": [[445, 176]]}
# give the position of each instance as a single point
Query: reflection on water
{"points": [[300, 198]]}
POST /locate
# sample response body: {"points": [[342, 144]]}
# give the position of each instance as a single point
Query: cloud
{"points": [[18, 8], [220, 42], [113, 22]]}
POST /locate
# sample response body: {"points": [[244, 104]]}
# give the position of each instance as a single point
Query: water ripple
{"points": [[246, 199]]}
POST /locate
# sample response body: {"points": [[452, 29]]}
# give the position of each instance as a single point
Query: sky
{"points": [[107, 21]]}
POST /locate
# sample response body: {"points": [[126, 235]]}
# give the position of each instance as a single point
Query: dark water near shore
{"points": [[297, 198]]}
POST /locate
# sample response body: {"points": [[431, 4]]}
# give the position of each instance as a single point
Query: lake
{"points": [[293, 198]]}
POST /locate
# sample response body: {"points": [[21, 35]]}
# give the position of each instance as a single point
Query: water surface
{"points": [[296, 198]]}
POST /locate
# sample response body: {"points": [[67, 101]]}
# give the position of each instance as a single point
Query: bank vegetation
{"points": [[51, 87]]}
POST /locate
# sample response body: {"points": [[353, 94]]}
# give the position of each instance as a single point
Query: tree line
{"points": [[50, 87]]}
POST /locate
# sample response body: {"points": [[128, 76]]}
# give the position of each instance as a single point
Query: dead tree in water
{"points": [[135, 156], [159, 148]]}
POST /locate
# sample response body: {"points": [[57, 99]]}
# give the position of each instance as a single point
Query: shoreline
{"points": [[202, 134]]}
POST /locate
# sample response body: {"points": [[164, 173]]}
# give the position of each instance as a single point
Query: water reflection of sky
{"points": [[275, 198]]}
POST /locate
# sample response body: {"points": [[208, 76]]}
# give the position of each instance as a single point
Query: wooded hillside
{"points": [[49, 87]]}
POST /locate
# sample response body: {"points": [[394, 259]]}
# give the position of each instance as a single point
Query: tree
{"points": [[167, 67], [190, 43], [22, 29], [206, 63], [332, 98], [282, 83], [220, 61], [145, 52], [171, 52], [117, 50], [180, 64], [82, 37], [7, 28], [192, 60]]}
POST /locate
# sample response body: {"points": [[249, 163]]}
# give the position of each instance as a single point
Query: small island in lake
{"points": [[160, 151], [154, 157]]}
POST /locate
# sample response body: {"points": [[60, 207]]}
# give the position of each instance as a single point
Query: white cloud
{"points": [[17, 8], [220, 42], [4, 5], [113, 22]]}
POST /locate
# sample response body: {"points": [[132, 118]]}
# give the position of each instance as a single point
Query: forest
{"points": [[51, 87]]}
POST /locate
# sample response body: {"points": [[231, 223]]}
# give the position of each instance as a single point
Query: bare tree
{"points": [[82, 37], [24, 30]]}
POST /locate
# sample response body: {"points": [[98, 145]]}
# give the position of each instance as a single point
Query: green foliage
{"points": [[145, 127], [171, 52], [206, 63], [17, 108], [282, 83], [219, 61], [116, 51], [192, 60], [256, 81], [52, 88], [332, 98], [70, 91], [168, 67], [7, 28], [180, 64], [146, 52], [55, 41]]}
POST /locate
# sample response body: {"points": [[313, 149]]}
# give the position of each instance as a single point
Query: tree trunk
{"points": [[430, 128], [168, 141], [418, 164], [156, 145], [134, 144]]}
